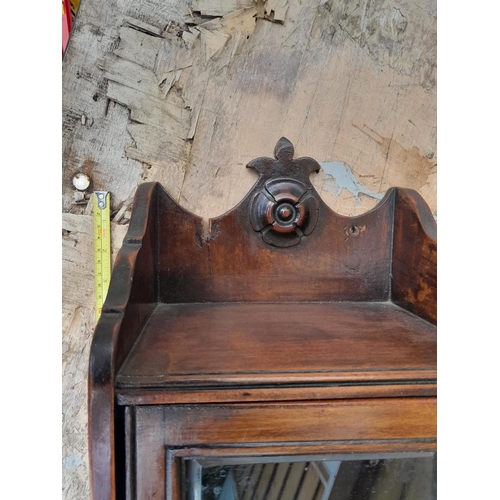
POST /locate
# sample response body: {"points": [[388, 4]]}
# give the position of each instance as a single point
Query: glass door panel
{"points": [[407, 477]]}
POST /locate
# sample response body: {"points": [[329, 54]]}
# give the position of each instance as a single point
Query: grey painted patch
{"points": [[73, 461], [339, 176]]}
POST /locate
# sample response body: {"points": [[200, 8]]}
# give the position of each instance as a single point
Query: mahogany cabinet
{"points": [[281, 351]]}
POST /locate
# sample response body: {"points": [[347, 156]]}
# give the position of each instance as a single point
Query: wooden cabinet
{"points": [[280, 351]]}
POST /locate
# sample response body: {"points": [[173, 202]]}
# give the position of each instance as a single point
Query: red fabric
{"points": [[66, 23]]}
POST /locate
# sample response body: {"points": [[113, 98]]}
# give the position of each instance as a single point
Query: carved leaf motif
{"points": [[284, 150]]}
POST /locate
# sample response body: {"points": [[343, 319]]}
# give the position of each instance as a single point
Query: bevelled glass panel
{"points": [[281, 478]]}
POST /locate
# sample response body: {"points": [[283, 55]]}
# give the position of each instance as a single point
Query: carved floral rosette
{"points": [[285, 209]]}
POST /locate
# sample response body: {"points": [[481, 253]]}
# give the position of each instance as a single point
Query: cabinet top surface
{"points": [[235, 343]]}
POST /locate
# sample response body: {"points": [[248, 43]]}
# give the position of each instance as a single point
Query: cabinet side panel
{"points": [[137, 268], [414, 267], [131, 298]]}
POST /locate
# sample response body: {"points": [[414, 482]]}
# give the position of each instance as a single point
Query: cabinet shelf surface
{"points": [[231, 344]]}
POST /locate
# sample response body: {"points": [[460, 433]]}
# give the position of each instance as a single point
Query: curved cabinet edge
{"points": [[144, 216], [131, 298], [414, 256], [101, 407], [413, 199]]}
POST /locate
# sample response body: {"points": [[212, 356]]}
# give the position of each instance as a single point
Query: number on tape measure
{"points": [[102, 248]]}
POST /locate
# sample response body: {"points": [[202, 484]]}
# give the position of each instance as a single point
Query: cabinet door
{"points": [[185, 451]]}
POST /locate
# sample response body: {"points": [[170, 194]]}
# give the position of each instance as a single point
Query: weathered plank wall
{"points": [[187, 92]]}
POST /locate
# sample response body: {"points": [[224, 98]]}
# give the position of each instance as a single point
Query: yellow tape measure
{"points": [[102, 248], [74, 4]]}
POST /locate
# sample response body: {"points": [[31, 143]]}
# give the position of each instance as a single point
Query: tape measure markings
{"points": [[102, 248]]}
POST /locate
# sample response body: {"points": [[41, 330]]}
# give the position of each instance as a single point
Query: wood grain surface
{"points": [[414, 275], [351, 84], [224, 344], [301, 422], [232, 265]]}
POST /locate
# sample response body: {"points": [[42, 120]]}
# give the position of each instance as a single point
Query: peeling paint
{"points": [[339, 176], [73, 461]]}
